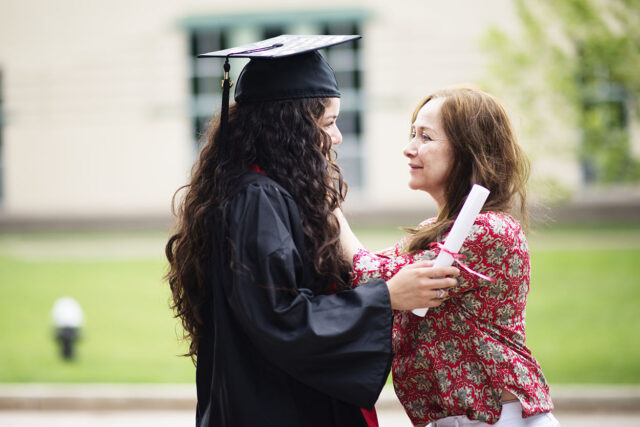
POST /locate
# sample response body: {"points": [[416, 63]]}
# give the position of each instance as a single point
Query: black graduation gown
{"points": [[278, 350]]}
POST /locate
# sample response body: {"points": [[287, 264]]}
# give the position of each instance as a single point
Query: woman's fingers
{"points": [[442, 283], [436, 272], [419, 264], [420, 285]]}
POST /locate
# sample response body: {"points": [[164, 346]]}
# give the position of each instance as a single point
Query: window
{"points": [[1, 142], [605, 135], [221, 32], [205, 78], [605, 155], [345, 61]]}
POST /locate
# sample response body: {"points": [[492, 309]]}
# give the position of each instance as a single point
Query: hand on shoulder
{"points": [[420, 285]]}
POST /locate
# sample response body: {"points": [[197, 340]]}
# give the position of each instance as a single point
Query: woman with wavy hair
{"points": [[465, 362], [256, 267]]}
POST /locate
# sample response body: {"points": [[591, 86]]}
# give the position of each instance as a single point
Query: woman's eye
{"points": [[423, 136]]}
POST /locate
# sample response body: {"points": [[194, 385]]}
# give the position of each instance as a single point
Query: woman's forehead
{"points": [[429, 114]]}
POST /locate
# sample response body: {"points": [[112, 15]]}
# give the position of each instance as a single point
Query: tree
{"points": [[581, 58]]}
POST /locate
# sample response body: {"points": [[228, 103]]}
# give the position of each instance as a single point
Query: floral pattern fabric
{"points": [[459, 357]]}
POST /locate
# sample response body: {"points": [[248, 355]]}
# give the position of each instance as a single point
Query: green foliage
{"points": [[582, 58]]}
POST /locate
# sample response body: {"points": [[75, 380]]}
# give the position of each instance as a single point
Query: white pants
{"points": [[511, 416]]}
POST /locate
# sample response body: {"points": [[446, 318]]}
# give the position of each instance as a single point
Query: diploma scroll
{"points": [[460, 230]]}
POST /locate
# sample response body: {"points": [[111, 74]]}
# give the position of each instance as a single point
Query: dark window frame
{"points": [[206, 75], [2, 122]]}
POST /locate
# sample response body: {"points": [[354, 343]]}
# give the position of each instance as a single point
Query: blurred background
{"points": [[102, 105]]}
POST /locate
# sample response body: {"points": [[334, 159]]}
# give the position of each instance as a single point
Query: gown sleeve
{"points": [[339, 344]]}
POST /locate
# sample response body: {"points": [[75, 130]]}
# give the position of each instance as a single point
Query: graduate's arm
{"points": [[339, 344], [351, 245], [348, 240]]}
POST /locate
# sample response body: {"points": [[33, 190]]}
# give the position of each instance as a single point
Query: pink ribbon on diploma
{"points": [[457, 257]]}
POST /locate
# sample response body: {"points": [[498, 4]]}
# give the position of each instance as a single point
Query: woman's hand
{"points": [[420, 285], [349, 242]]}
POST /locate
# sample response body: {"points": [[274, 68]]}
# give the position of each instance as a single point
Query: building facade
{"points": [[102, 104]]}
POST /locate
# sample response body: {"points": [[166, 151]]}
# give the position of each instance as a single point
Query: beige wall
{"points": [[96, 96], [410, 52], [95, 103]]}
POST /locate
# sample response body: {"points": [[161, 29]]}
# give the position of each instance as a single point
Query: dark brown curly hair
{"points": [[284, 139], [485, 151]]}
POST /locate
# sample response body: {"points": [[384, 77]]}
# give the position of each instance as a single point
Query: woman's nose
{"points": [[409, 150]]}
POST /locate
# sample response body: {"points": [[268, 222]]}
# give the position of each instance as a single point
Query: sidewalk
{"points": [[575, 398], [68, 405]]}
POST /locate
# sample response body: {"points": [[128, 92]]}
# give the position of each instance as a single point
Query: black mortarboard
{"points": [[283, 67]]}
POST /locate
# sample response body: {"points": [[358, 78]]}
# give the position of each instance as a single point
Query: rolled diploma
{"points": [[460, 230]]}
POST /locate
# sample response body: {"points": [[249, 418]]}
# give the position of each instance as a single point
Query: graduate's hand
{"points": [[420, 285]]}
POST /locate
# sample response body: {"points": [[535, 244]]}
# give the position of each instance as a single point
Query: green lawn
{"points": [[583, 321], [129, 336], [583, 317]]}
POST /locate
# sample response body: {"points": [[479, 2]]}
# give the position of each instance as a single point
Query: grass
{"points": [[583, 322], [129, 334]]}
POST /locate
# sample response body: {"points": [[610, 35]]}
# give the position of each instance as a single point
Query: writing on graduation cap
{"points": [[260, 49], [281, 46]]}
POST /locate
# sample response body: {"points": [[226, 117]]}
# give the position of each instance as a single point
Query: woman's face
{"points": [[429, 152], [328, 120]]}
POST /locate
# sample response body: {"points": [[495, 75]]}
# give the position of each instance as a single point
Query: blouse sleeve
{"points": [[497, 248], [386, 263], [368, 266]]}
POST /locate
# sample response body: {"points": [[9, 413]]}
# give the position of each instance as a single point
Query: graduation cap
{"points": [[280, 68]]}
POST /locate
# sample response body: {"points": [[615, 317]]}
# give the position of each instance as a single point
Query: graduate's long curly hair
{"points": [[485, 151], [286, 141]]}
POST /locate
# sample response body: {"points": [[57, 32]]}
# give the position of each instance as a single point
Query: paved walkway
{"points": [[163, 418], [47, 405]]}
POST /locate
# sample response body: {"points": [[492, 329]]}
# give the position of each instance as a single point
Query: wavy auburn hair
{"points": [[485, 151], [283, 138]]}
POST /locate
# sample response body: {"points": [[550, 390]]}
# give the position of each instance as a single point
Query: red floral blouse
{"points": [[459, 357]]}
